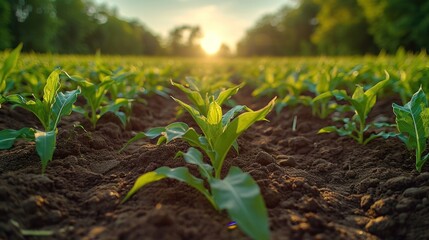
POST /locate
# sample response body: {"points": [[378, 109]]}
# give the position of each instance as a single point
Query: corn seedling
{"points": [[238, 193], [362, 103], [412, 121], [49, 111], [96, 106]]}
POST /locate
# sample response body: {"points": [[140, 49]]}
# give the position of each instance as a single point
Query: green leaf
{"points": [[328, 129], [151, 133], [9, 136], [143, 180], [45, 146], [227, 93], [51, 88], [193, 156], [199, 119], [194, 96], [37, 107], [114, 108], [412, 121], [239, 194], [182, 174], [226, 118], [175, 130], [8, 66], [63, 106], [234, 129], [214, 115]]}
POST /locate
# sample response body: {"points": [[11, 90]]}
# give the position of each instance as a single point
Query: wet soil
{"points": [[315, 186]]}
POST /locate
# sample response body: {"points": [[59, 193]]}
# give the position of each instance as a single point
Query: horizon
{"points": [[221, 22]]}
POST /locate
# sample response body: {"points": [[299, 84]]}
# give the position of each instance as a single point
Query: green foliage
{"points": [[342, 29], [395, 23], [412, 121], [97, 103], [8, 65], [49, 111], [362, 103], [238, 193]]}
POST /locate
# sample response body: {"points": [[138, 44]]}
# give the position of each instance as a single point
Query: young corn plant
{"points": [[412, 121], [238, 193], [96, 102], [49, 111], [362, 103]]}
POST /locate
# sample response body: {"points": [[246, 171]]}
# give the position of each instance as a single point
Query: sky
{"points": [[222, 21]]}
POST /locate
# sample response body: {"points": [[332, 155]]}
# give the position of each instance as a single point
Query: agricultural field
{"points": [[105, 147]]}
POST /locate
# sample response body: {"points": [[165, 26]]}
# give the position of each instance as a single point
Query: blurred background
{"points": [[215, 28]]}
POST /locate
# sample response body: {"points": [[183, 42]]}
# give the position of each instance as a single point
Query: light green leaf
{"points": [[214, 115], [51, 88], [227, 93], [239, 194], [328, 129], [143, 180], [45, 146], [9, 136]]}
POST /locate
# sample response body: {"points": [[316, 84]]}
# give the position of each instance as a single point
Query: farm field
{"points": [[355, 182]]}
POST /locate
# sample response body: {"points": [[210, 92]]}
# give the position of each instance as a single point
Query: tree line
{"points": [[340, 27], [306, 27], [84, 27]]}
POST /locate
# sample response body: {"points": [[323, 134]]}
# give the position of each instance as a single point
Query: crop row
{"points": [[344, 89]]}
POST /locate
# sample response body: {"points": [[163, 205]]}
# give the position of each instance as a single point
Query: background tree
{"points": [[396, 23], [342, 29], [34, 23], [75, 24], [224, 51], [184, 41], [5, 15], [286, 32]]}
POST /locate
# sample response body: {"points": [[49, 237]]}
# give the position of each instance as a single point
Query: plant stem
{"points": [[360, 133]]}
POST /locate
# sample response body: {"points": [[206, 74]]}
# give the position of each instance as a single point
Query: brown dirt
{"points": [[315, 186]]}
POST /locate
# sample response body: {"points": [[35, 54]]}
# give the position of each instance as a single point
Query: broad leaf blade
{"points": [[63, 106], [45, 146], [411, 124], [9, 136], [239, 194], [51, 88]]}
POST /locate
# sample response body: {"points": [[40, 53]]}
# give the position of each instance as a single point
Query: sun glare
{"points": [[210, 43]]}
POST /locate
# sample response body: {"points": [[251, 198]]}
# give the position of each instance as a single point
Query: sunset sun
{"points": [[210, 43]]}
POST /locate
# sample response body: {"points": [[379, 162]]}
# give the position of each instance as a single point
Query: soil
{"points": [[315, 186]]}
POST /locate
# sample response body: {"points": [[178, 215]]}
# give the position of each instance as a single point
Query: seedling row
{"points": [[341, 90]]}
